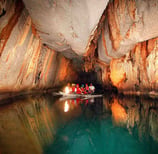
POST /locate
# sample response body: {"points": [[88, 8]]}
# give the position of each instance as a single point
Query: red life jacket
{"points": [[78, 90], [82, 89], [73, 89]]}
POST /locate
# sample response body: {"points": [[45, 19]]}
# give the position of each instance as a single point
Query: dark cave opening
{"points": [[95, 78]]}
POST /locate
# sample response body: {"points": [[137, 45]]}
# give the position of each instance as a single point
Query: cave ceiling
{"points": [[66, 25], [70, 26]]}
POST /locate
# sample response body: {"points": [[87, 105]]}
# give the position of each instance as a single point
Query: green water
{"points": [[43, 124], [96, 134]]}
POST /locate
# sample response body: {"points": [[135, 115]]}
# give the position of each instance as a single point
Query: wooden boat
{"points": [[60, 93]]}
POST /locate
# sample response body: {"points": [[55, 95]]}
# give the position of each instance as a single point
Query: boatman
{"points": [[91, 88], [67, 89]]}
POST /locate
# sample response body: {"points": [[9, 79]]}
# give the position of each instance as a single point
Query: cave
{"points": [[46, 45]]}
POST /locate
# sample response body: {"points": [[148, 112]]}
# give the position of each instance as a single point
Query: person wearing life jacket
{"points": [[78, 90], [73, 88], [82, 89], [91, 88]]}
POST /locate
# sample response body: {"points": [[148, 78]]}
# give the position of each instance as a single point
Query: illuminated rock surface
{"points": [[127, 23], [25, 63]]}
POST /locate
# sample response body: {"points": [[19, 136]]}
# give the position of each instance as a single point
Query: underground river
{"points": [[47, 124]]}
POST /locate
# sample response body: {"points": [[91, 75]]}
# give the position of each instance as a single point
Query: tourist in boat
{"points": [[78, 89], [82, 89], [73, 88], [87, 88], [91, 88]]}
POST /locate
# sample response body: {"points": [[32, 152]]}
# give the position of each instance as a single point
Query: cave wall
{"points": [[127, 22], [137, 71], [128, 43], [25, 63]]}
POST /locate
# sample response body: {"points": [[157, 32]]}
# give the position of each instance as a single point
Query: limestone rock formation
{"points": [[66, 24], [25, 63], [137, 71], [127, 23], [128, 43], [117, 39]]}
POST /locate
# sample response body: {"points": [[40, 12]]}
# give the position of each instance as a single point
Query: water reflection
{"points": [[135, 113], [25, 126], [119, 113], [66, 107], [33, 124]]}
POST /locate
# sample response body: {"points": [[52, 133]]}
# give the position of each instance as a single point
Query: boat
{"points": [[70, 95]]}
